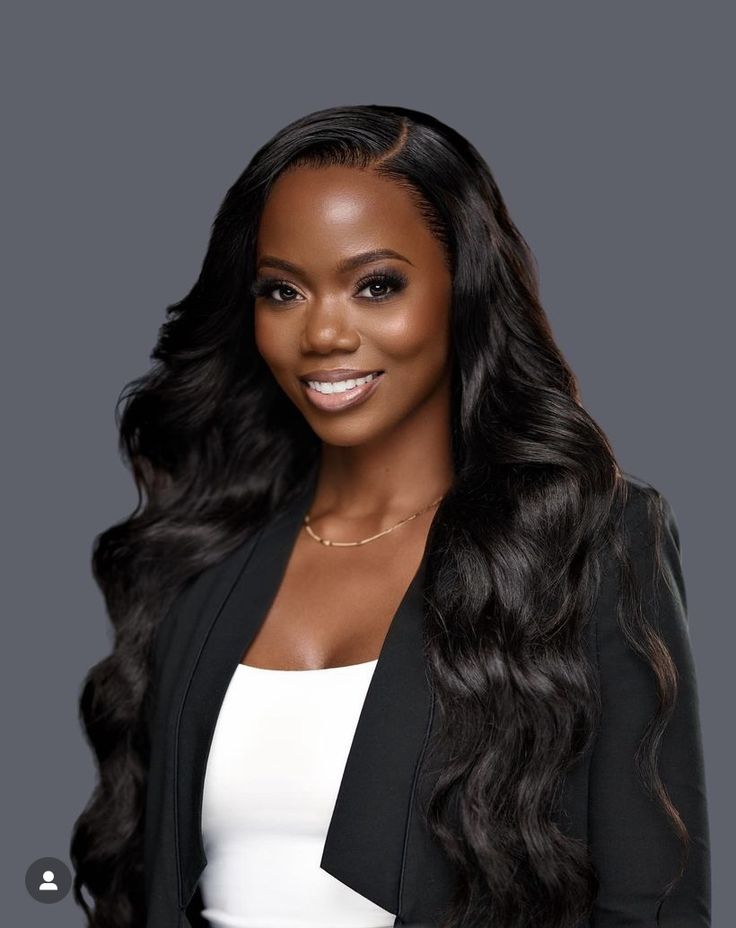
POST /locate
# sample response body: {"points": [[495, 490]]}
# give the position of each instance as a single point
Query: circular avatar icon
{"points": [[48, 879]]}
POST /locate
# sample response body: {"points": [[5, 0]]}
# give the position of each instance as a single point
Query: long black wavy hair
{"points": [[215, 448]]}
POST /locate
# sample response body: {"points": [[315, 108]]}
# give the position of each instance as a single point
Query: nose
{"points": [[327, 325]]}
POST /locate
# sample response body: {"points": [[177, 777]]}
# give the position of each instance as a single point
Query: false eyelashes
{"points": [[395, 280]]}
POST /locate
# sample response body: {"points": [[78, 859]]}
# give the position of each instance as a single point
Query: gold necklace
{"points": [[346, 544]]}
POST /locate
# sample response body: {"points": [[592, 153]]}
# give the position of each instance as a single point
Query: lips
{"points": [[344, 400], [337, 373]]}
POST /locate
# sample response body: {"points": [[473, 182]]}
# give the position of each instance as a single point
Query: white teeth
{"points": [[339, 386]]}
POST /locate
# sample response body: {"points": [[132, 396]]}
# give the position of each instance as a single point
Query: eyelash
{"points": [[263, 286]]}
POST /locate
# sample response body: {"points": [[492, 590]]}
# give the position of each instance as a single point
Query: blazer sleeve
{"points": [[634, 849]]}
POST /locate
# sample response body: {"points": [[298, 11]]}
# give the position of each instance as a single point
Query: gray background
{"points": [[607, 129]]}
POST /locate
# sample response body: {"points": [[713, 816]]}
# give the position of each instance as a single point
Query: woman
{"points": [[397, 641]]}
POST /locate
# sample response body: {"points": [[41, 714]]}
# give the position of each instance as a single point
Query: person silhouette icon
{"points": [[48, 876], [48, 880]]}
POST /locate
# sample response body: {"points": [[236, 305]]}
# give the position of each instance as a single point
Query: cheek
{"points": [[268, 336], [420, 335]]}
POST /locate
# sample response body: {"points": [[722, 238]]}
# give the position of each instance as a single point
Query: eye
{"points": [[382, 279], [265, 286]]}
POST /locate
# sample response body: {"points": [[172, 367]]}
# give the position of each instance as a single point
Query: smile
{"points": [[342, 393]]}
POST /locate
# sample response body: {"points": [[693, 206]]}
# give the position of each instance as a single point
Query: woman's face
{"points": [[323, 302]]}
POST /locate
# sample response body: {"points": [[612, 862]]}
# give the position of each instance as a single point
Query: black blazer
{"points": [[377, 842]]}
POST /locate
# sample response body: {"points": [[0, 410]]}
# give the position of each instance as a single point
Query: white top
{"points": [[274, 768]]}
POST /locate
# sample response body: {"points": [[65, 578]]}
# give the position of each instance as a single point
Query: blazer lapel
{"points": [[365, 842]]}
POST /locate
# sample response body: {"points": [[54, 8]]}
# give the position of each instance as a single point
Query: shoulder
{"points": [[646, 540], [648, 513], [641, 570]]}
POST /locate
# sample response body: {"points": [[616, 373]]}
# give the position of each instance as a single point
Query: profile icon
{"points": [[48, 879], [48, 876]]}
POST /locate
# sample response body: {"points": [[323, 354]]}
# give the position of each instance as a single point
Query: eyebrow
{"points": [[347, 264]]}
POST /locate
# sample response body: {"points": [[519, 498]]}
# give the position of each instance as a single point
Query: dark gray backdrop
{"points": [[608, 131]]}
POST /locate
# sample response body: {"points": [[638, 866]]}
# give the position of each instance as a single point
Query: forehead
{"points": [[316, 214]]}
